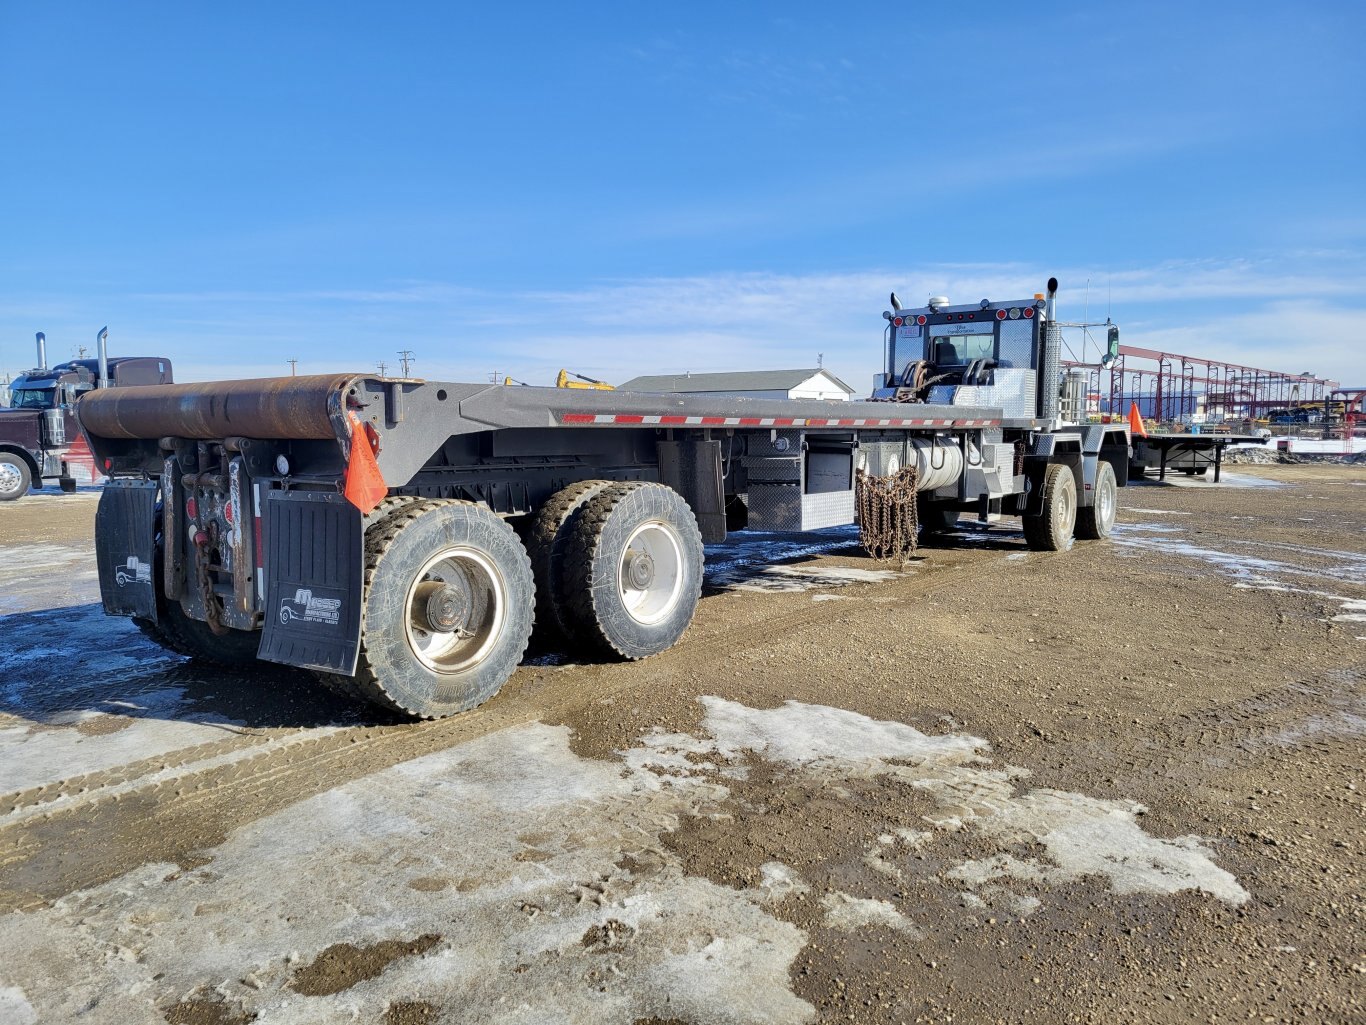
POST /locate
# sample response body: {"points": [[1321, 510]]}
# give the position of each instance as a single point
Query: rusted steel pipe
{"points": [[268, 408]]}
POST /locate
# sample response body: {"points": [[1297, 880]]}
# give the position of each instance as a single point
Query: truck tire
{"points": [[547, 544], [1051, 530], [460, 563], [633, 571], [234, 649], [15, 477], [1098, 520]]}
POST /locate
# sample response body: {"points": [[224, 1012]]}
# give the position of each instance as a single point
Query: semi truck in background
{"points": [[40, 437], [399, 538]]}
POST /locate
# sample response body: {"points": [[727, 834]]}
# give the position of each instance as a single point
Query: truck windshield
{"points": [[32, 398], [960, 350]]}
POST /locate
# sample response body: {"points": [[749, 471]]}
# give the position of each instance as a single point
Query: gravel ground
{"points": [[1121, 783]]}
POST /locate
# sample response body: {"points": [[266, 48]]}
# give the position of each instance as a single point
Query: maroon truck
{"points": [[40, 439]]}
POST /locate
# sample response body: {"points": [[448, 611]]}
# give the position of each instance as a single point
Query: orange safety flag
{"points": [[365, 487], [1135, 421]]}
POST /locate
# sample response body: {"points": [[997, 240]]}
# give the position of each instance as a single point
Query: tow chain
{"points": [[207, 595], [888, 523]]}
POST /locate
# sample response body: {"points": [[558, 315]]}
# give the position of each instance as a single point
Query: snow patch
{"points": [[851, 914], [15, 1008]]}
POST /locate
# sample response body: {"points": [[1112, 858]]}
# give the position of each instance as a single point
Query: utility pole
{"points": [[293, 367], [382, 367], [820, 360], [406, 358], [495, 377]]}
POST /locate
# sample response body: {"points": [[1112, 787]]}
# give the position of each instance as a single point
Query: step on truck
{"points": [[401, 538], [40, 439]]}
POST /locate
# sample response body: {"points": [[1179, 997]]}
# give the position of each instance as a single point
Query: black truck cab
{"points": [[39, 435]]}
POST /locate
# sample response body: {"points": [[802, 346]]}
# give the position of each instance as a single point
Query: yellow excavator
{"points": [[563, 381]]}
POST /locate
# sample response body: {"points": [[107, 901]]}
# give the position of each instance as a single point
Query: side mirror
{"points": [[1111, 346]]}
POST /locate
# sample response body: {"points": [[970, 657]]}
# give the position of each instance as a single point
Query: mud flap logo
{"points": [[134, 571], [303, 606]]}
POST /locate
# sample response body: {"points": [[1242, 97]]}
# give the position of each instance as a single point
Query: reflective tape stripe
{"points": [[674, 420]]}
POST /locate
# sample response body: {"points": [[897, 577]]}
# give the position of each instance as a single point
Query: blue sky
{"points": [[634, 188]]}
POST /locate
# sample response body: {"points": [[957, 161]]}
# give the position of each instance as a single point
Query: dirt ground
{"points": [[1118, 784]]}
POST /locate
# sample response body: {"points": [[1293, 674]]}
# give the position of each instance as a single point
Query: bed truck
{"points": [[39, 437], [400, 537]]}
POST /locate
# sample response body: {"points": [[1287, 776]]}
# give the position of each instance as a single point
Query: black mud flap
{"points": [[315, 570], [125, 548]]}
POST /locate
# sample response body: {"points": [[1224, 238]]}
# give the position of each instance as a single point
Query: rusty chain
{"points": [[887, 516]]}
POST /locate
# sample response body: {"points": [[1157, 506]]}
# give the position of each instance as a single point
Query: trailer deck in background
{"points": [[1191, 454]]}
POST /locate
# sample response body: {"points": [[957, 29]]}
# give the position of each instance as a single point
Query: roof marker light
{"points": [[921, 319], [1029, 311], [898, 321], [1000, 314]]}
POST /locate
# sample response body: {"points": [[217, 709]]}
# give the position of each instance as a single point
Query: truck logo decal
{"points": [[134, 571], [304, 606]]}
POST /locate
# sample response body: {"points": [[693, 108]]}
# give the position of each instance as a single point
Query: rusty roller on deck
{"points": [[307, 407]]}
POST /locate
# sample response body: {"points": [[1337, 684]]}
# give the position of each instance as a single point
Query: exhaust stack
{"points": [[100, 340], [42, 350]]}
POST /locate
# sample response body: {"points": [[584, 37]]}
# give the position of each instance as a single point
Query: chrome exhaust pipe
{"points": [[100, 340], [42, 350]]}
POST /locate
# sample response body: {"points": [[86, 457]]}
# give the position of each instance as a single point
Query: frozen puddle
{"points": [[797, 578], [529, 885], [46, 576]]}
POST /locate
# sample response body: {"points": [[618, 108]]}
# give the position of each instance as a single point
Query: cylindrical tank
{"points": [[1074, 396], [938, 461]]}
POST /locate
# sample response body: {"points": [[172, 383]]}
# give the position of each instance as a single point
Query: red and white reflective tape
{"points": [[760, 421]]}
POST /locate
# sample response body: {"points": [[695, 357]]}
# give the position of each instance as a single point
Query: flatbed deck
{"points": [[1189, 453]]}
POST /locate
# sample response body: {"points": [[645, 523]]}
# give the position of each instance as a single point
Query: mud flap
{"points": [[125, 548], [314, 569]]}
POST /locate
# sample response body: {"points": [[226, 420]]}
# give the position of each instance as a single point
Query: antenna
{"points": [[405, 357]]}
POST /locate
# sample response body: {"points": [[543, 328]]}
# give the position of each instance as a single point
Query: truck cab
{"points": [[40, 437]]}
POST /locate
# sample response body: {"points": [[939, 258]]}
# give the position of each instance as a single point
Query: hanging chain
{"points": [[888, 523]]}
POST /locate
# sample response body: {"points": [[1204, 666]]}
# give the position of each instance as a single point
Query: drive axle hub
{"points": [[640, 570], [440, 608]]}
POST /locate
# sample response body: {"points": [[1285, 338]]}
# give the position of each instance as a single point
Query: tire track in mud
{"points": [[106, 825], [1313, 716]]}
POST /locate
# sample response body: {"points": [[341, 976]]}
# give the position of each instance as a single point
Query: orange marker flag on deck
{"points": [[365, 487], [1136, 421]]}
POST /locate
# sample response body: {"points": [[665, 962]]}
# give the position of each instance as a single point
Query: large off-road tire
{"points": [[633, 571], [1098, 519], [935, 520], [1051, 530], [547, 544], [449, 604], [15, 477], [234, 648]]}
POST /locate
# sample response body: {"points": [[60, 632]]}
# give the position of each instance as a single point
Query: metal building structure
{"points": [[1169, 387]]}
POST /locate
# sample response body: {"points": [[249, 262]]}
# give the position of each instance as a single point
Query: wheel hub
{"points": [[640, 569], [9, 477], [440, 607]]}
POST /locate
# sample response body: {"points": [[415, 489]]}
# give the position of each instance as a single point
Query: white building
{"points": [[815, 383]]}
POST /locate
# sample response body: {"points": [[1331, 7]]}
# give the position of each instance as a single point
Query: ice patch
{"points": [[508, 847], [830, 597], [15, 1008], [797, 578], [852, 914], [547, 878], [1158, 512], [1081, 835]]}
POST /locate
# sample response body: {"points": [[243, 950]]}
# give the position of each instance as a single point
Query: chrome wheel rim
{"points": [[650, 573], [10, 478], [1106, 500], [468, 586]]}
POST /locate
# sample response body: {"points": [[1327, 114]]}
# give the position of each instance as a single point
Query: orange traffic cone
{"points": [[1136, 421]]}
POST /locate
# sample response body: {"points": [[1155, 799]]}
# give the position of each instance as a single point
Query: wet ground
{"points": [[1121, 783]]}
